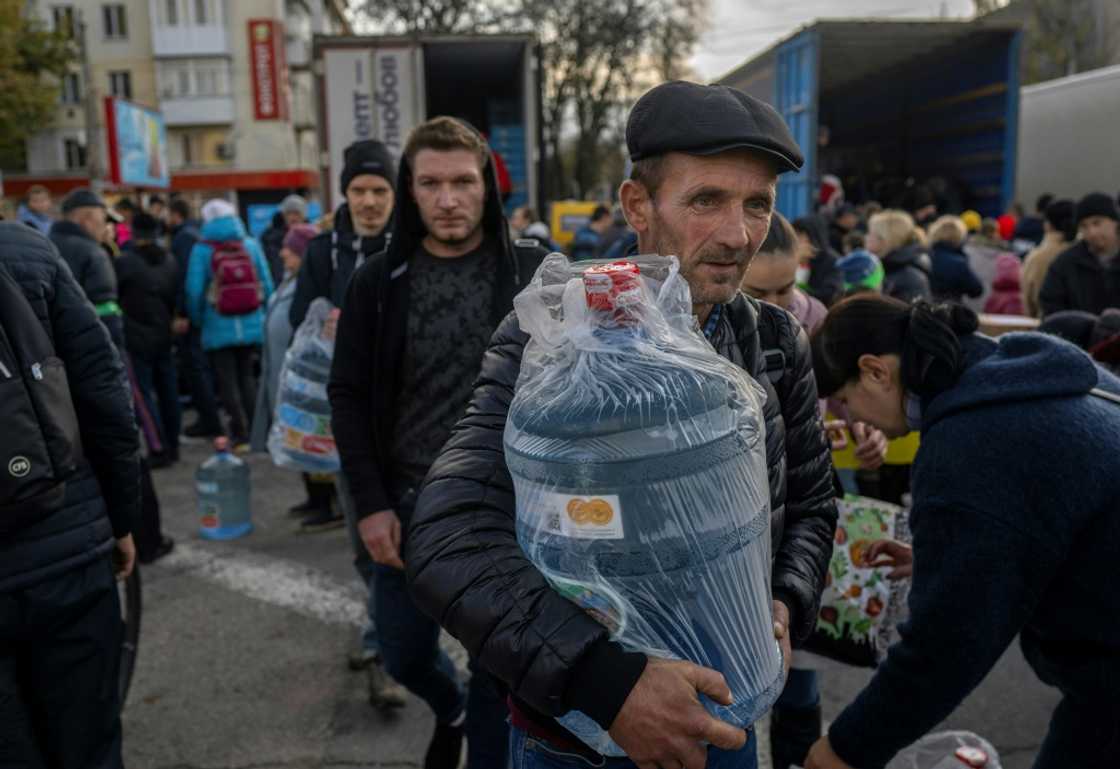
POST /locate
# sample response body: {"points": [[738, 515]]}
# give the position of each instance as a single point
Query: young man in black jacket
{"points": [[60, 626], [414, 325], [702, 189], [1086, 276]]}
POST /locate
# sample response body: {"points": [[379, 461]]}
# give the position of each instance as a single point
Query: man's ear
{"points": [[636, 205]]}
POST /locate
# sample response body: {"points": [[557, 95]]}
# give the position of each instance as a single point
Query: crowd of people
{"points": [[859, 323]]}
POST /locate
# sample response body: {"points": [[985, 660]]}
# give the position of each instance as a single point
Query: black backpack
{"points": [[41, 441]]}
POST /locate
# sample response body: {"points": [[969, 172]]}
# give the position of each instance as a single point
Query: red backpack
{"points": [[236, 288]]}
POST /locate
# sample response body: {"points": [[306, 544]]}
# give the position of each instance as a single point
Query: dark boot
{"points": [[792, 732]]}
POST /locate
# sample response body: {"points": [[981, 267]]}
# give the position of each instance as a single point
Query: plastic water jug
{"points": [[222, 484], [642, 496]]}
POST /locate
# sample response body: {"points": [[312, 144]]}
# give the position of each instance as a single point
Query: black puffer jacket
{"points": [[468, 571], [148, 279], [87, 260], [907, 273], [102, 498]]}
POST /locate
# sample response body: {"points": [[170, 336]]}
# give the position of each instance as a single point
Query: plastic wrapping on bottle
{"points": [[300, 436], [639, 463], [948, 750]]}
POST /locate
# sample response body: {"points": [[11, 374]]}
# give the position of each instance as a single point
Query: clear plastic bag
{"points": [[948, 750], [639, 463], [300, 437]]}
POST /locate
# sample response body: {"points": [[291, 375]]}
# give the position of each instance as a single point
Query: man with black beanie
{"points": [[361, 230], [1087, 275]]}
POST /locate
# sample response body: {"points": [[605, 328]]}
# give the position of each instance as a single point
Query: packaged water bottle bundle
{"points": [[300, 436], [639, 463]]}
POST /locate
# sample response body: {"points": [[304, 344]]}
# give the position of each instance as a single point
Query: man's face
{"points": [[370, 198], [771, 278], [1100, 234], [40, 202], [519, 221], [173, 219], [157, 210], [450, 192], [848, 221], [712, 212], [292, 218]]}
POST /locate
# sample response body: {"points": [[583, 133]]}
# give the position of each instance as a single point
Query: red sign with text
{"points": [[269, 68]]}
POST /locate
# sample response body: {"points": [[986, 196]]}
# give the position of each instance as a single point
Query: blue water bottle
{"points": [[222, 483]]}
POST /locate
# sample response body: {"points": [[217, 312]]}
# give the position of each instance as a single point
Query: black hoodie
{"points": [[369, 348], [907, 273], [148, 287], [826, 281], [330, 260]]}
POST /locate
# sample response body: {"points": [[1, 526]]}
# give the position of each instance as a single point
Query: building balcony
{"points": [[197, 110], [188, 40]]}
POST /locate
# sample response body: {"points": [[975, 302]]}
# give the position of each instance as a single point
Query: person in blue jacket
{"points": [[1015, 523], [952, 278], [230, 340]]}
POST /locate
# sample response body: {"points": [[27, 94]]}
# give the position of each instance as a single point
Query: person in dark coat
{"points": [[1031, 228], [951, 279], [361, 228], [293, 211], [845, 222], [60, 638], [77, 236], [464, 562], [424, 309], [893, 237], [826, 282], [1001, 549], [148, 284], [1087, 275]]}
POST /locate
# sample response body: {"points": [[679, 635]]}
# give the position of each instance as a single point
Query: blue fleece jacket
{"points": [[1016, 531], [219, 331]]}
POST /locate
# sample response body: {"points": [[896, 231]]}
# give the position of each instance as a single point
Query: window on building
{"points": [[120, 84], [63, 18], [115, 21], [71, 91], [187, 149], [171, 13], [204, 12], [183, 81], [75, 153]]}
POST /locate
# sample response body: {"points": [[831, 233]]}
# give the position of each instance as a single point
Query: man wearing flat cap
{"points": [[705, 166]]}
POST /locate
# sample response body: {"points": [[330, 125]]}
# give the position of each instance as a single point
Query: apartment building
{"points": [[231, 78]]}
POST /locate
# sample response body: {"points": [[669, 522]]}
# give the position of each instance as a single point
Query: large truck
{"points": [[878, 103], [380, 87], [1068, 143]]}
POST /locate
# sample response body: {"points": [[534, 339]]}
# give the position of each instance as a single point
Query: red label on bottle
{"points": [[612, 286]]}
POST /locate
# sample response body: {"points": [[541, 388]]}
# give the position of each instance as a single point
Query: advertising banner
{"points": [[268, 66], [137, 143], [348, 94]]}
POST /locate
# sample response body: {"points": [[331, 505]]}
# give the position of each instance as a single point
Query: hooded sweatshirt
{"points": [[330, 260], [221, 331], [826, 281], [370, 348], [1008, 539], [907, 273]]}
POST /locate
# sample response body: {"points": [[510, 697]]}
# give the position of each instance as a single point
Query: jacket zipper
{"points": [[4, 370], [37, 371]]}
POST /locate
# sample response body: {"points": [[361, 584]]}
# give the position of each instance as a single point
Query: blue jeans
{"points": [[527, 752], [802, 690], [362, 561], [410, 647], [159, 384]]}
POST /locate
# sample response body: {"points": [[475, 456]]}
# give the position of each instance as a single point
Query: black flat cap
{"points": [[82, 198], [706, 119]]}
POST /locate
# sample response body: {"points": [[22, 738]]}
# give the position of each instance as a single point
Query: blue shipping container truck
{"points": [[879, 102]]}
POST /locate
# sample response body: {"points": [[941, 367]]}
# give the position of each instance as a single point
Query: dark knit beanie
{"points": [[368, 157], [1096, 204]]}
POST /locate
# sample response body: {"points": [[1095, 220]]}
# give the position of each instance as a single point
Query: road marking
{"points": [[283, 583]]}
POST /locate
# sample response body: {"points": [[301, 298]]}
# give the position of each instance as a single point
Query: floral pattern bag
{"points": [[860, 609]]}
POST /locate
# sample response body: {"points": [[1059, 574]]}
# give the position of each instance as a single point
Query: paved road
{"points": [[243, 646]]}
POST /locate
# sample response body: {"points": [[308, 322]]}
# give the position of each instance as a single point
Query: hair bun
{"points": [[931, 357]]}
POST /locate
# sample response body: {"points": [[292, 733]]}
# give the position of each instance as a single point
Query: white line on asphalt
{"points": [[287, 584]]}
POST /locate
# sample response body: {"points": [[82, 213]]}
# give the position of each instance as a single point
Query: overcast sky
{"points": [[741, 28]]}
